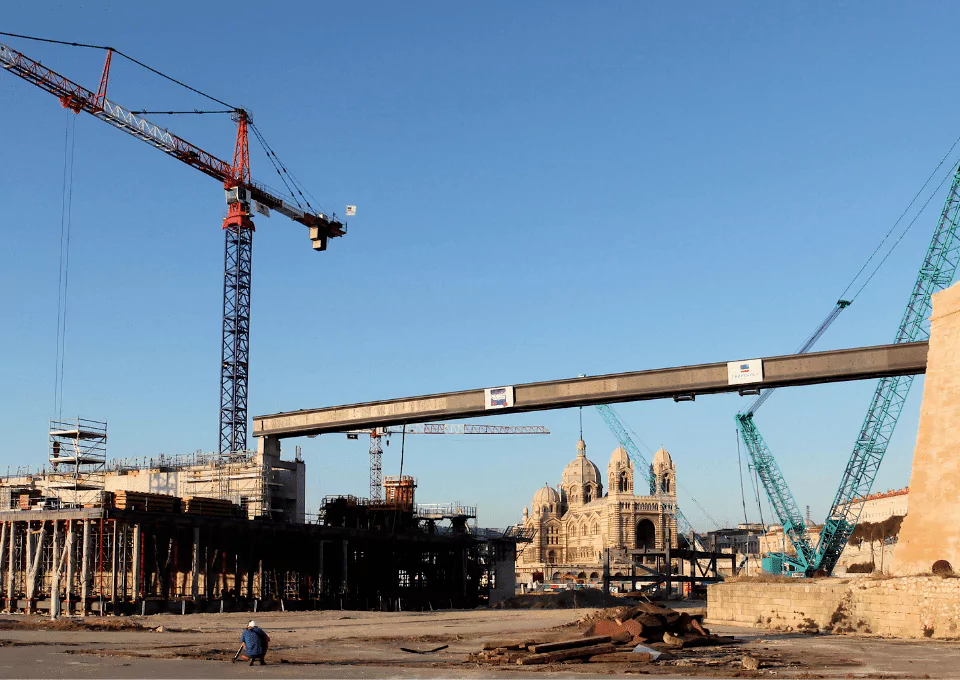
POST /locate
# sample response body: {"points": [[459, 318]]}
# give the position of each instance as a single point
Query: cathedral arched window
{"points": [[623, 484], [587, 495], [596, 529], [646, 536]]}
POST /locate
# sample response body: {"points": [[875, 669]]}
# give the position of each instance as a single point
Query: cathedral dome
{"points": [[620, 458], [662, 459], [581, 470], [545, 496]]}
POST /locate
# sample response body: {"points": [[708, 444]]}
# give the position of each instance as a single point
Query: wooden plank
{"points": [[569, 644], [622, 657], [564, 654], [509, 644]]}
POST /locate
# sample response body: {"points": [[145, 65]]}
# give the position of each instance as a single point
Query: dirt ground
{"points": [[344, 644]]}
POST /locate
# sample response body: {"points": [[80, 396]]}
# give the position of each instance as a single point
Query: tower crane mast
{"points": [[243, 195]]}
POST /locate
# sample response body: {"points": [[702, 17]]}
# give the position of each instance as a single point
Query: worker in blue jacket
{"points": [[255, 642]]}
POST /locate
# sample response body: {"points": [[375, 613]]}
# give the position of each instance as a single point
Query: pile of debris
{"points": [[565, 599], [649, 622], [642, 633]]}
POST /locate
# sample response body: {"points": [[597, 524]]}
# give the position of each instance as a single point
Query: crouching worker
{"points": [[255, 642]]}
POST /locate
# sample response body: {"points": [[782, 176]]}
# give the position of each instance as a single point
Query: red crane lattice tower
{"points": [[243, 196]]}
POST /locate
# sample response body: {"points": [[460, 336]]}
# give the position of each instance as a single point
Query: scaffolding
{"points": [[78, 452]]}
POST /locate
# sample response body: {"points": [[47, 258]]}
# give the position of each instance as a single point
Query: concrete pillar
{"points": [[195, 565], [344, 581], [606, 571], [268, 452], [931, 530], [113, 569], [320, 588], [124, 533], [34, 542], [11, 566], [505, 572], [55, 571], [85, 569], [4, 537], [137, 576], [69, 542], [669, 568]]}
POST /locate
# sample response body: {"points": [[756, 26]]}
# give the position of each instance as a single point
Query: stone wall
{"points": [[908, 607]]}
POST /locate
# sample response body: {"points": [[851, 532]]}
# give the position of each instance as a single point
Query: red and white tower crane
{"points": [[244, 196]]}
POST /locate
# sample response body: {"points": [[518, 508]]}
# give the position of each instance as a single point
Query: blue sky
{"points": [[544, 190]]}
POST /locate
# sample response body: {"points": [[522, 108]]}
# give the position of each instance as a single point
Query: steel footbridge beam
{"points": [[682, 383]]}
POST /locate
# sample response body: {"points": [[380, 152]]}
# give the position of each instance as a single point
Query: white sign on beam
{"points": [[498, 397], [744, 372]]}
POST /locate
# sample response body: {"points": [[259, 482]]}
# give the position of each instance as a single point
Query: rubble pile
{"points": [[567, 599], [642, 633]]}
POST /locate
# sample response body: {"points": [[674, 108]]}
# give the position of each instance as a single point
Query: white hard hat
{"points": [[252, 624]]}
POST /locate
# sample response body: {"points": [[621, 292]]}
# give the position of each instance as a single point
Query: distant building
{"points": [[874, 508], [577, 523], [880, 506], [262, 485], [744, 540]]}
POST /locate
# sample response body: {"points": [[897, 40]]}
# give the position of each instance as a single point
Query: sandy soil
{"points": [[339, 644]]}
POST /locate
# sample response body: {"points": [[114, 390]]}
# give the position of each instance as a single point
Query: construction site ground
{"points": [[351, 644]]}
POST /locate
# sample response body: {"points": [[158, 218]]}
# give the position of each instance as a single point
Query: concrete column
{"points": [[137, 576], [4, 537], [505, 572], [344, 581], [195, 565], [11, 566], [463, 571], [69, 542], [669, 568], [320, 572], [113, 569], [123, 532], [34, 553], [259, 593], [606, 571], [85, 569], [268, 452], [55, 572], [237, 589]]}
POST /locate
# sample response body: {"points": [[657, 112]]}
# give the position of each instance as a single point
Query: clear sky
{"points": [[544, 190]]}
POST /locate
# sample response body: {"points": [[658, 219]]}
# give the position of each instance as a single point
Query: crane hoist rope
{"points": [[63, 271]]}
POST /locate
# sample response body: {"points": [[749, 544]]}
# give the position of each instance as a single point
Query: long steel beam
{"points": [[680, 383]]}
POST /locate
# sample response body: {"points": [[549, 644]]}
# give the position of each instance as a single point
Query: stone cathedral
{"points": [[577, 521]]}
